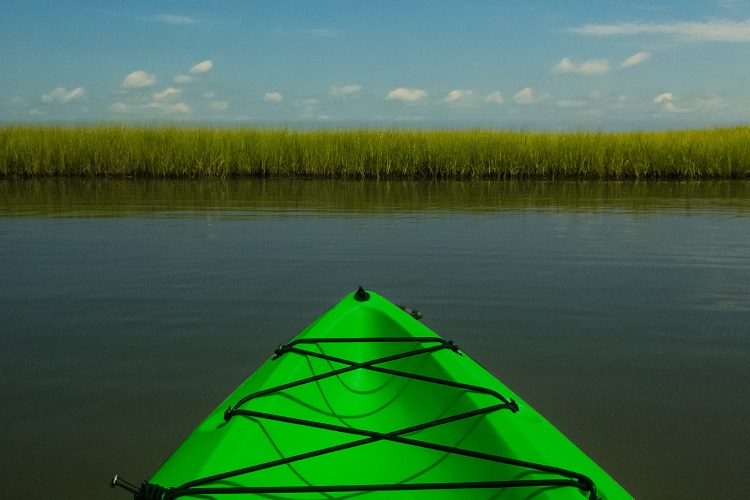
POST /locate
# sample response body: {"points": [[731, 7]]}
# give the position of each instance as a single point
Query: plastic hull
{"points": [[378, 424]]}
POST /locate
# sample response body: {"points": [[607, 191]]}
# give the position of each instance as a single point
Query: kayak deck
{"points": [[368, 402]]}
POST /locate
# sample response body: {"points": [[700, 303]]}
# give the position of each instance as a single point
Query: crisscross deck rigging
{"points": [[243, 408]]}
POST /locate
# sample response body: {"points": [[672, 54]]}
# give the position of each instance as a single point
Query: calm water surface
{"points": [[130, 309]]}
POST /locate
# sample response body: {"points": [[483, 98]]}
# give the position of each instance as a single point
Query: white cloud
{"points": [[406, 95], [170, 108], [345, 90], [209, 94], [183, 79], [711, 104], [672, 108], [273, 97], [572, 103], [308, 107], [219, 106], [173, 19], [564, 66], [731, 5], [202, 67], [525, 96], [168, 93], [119, 107], [460, 98], [594, 67], [715, 30], [61, 96], [667, 102], [138, 80], [495, 97], [590, 67], [636, 59], [413, 119], [667, 96]]}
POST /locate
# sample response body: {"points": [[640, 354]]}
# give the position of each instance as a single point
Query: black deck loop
{"points": [[453, 347], [279, 351], [513, 405], [152, 492]]}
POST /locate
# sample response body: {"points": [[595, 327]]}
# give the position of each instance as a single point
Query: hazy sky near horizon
{"points": [[409, 63]]}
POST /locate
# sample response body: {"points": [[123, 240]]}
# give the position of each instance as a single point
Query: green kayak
{"points": [[367, 402]]}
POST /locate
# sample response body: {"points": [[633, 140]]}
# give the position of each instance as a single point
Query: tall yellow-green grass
{"points": [[171, 152]]}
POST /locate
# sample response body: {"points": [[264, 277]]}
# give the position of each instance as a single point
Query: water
{"points": [[130, 309]]}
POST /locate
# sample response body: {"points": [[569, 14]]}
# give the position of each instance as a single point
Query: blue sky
{"points": [[539, 65]]}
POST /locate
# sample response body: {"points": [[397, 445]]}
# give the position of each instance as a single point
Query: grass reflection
{"points": [[81, 197]]}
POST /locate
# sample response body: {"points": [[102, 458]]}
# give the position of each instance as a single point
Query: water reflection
{"points": [[129, 309], [72, 197]]}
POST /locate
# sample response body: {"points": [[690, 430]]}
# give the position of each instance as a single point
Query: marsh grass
{"points": [[174, 152]]}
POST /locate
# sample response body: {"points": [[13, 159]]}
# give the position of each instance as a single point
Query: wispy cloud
{"points": [[711, 104], [219, 106], [167, 94], [119, 107], [665, 97], [308, 106], [273, 97], [495, 97], [62, 96], [636, 59], [572, 103], [408, 95], [590, 67], [669, 102], [730, 5], [460, 98], [138, 80], [170, 108], [715, 30], [174, 19], [527, 95], [524, 96], [182, 79], [345, 90], [201, 67]]}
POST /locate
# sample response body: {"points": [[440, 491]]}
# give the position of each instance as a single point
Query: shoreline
{"points": [[176, 152]]}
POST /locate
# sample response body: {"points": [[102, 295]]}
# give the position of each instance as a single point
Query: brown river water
{"points": [[129, 309]]}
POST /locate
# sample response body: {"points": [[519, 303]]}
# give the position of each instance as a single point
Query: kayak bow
{"points": [[369, 402]]}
